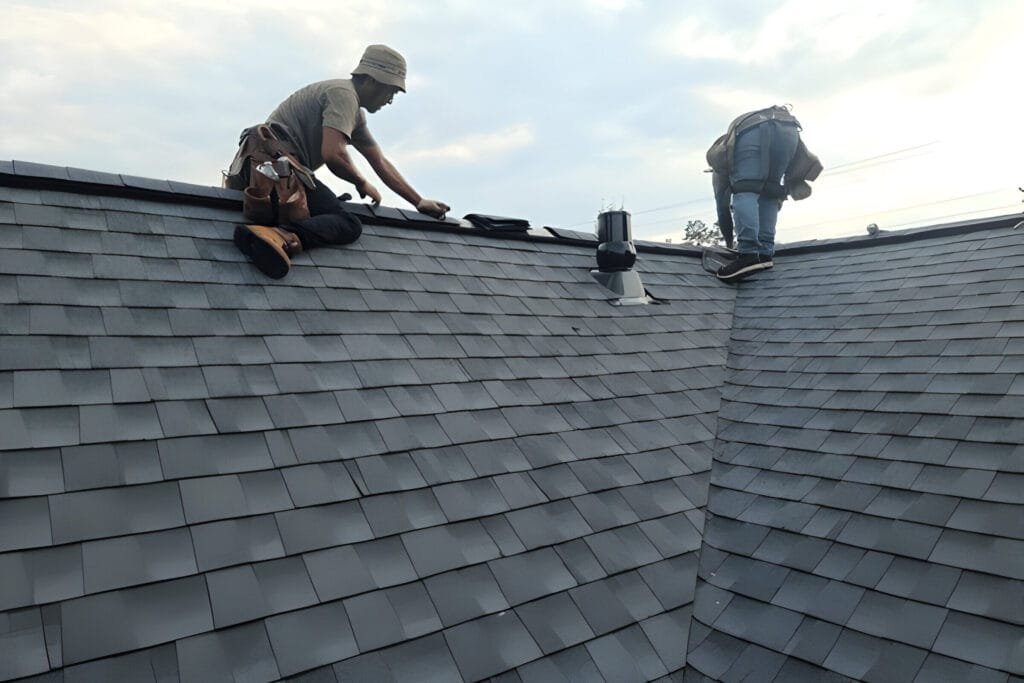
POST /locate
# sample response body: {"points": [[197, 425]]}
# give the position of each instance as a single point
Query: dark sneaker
{"points": [[268, 248], [744, 265], [766, 261]]}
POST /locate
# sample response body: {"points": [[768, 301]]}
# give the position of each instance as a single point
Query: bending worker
{"points": [[315, 126], [757, 163]]}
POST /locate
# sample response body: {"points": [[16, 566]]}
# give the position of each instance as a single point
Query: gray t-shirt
{"points": [[332, 103]]}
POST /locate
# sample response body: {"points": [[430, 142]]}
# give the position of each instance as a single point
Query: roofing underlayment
{"points": [[440, 454]]}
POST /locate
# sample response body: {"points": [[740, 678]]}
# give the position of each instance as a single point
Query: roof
{"points": [[441, 454], [865, 511]]}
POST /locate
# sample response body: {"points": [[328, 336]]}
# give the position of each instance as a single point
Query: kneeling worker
{"points": [[315, 126]]}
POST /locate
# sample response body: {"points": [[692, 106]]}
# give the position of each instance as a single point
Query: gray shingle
{"points": [[567, 666], [532, 575], [112, 512], [623, 548], [466, 594], [319, 483], [234, 495], [756, 622], [441, 465], [22, 644], [905, 538], [424, 659], [813, 640], [351, 569], [299, 410], [235, 541], [503, 535], [399, 512], [986, 595], [900, 620], [155, 665], [555, 622], [252, 591], [491, 645], [669, 633], [41, 427], [40, 576], [495, 457], [548, 524], [518, 490], [396, 472], [311, 637], [103, 465], [997, 519], [443, 548], [336, 442], [142, 558], [239, 414], [672, 581], [747, 577], [138, 617], [863, 657], [981, 641], [470, 499], [393, 615], [1000, 556], [180, 418], [557, 482], [240, 653], [939, 668], [30, 473], [615, 602], [832, 601], [921, 581], [322, 526]]}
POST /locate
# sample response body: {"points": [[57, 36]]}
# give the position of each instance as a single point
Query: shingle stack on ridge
{"points": [[431, 455]]}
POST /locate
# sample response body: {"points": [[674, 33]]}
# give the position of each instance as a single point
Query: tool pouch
{"points": [[272, 179]]}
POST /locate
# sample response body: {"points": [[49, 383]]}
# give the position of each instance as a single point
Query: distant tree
{"points": [[701, 234]]}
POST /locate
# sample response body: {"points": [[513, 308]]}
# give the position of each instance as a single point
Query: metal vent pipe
{"points": [[615, 251]]}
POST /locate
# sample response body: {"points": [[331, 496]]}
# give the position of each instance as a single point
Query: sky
{"points": [[549, 111]]}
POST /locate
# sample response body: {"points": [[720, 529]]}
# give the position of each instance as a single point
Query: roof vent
{"points": [[615, 258]]}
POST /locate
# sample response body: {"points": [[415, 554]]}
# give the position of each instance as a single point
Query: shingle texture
{"points": [[430, 455], [865, 518]]}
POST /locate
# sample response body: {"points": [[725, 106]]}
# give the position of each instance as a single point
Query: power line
{"points": [[831, 170], [956, 215], [883, 212], [872, 215]]}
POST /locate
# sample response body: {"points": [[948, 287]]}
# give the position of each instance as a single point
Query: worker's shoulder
{"points": [[331, 84]]}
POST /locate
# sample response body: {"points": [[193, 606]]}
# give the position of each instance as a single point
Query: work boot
{"points": [[268, 247], [766, 261], [743, 266]]}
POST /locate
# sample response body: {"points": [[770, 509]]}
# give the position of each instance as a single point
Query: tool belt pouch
{"points": [[272, 179]]}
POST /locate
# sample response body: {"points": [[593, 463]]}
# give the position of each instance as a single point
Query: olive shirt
{"points": [[332, 103]]}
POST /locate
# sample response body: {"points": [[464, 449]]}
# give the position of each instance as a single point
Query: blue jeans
{"points": [[762, 153]]}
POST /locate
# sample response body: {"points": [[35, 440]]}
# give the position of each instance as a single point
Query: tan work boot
{"points": [[268, 247]]}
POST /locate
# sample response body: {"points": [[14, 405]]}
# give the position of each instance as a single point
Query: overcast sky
{"points": [[547, 110]]}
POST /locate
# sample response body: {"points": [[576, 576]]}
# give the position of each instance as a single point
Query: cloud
{"points": [[472, 148], [818, 29]]}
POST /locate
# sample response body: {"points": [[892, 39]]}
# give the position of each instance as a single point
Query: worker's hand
{"points": [[434, 208], [366, 189]]}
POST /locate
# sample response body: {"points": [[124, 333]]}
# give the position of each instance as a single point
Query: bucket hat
{"points": [[383, 64]]}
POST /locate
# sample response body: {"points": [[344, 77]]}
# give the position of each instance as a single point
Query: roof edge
{"points": [[34, 175], [31, 175], [902, 236]]}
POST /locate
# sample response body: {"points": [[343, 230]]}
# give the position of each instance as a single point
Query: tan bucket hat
{"points": [[383, 64]]}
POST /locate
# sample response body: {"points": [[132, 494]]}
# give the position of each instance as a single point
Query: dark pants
{"points": [[329, 222]]}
